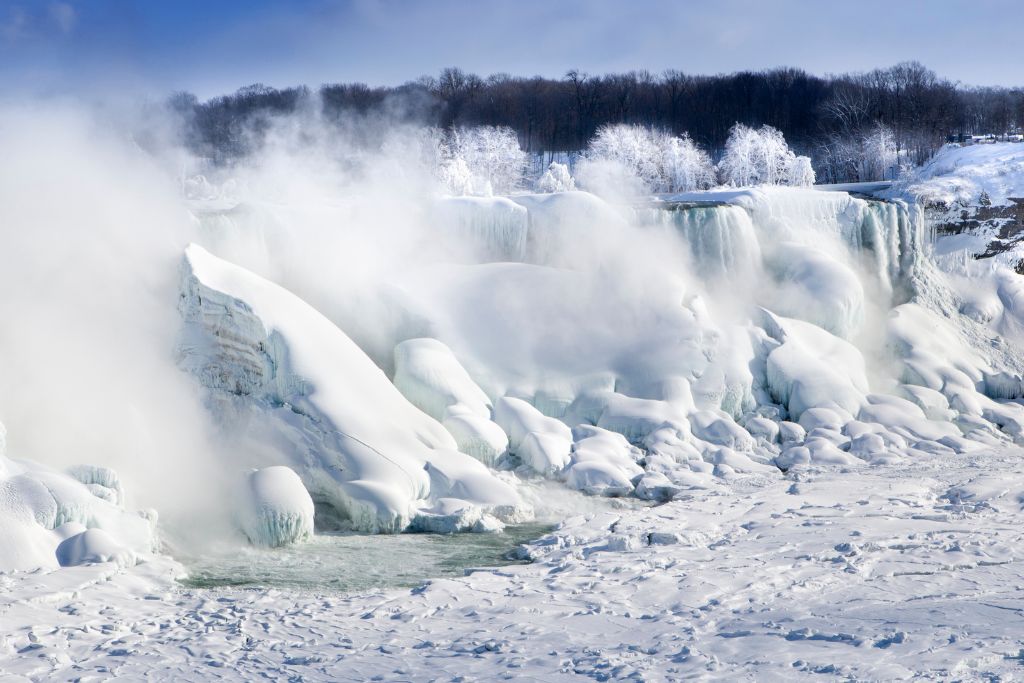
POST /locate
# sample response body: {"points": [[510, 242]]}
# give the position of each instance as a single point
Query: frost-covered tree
{"points": [[760, 156], [556, 179], [482, 160], [686, 166], [878, 159], [800, 173], [663, 162], [632, 147]]}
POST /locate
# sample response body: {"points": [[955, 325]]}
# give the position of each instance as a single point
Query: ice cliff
{"points": [[280, 372]]}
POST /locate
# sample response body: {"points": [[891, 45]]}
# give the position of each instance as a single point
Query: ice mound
{"points": [[603, 463], [93, 546], [541, 443], [274, 508], [817, 288], [811, 368], [431, 377], [42, 510], [281, 373]]}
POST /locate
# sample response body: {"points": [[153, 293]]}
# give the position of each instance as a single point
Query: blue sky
{"points": [[215, 46]]}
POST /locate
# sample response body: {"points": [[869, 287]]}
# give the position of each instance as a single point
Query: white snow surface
{"points": [[894, 572]]}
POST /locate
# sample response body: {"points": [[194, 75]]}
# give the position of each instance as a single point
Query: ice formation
{"points": [[277, 368], [50, 518], [274, 508], [643, 348], [648, 348]]}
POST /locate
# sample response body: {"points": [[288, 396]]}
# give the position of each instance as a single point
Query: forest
{"points": [[844, 123]]}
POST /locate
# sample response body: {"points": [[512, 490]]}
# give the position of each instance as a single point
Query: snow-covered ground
{"points": [[814, 405], [891, 572]]}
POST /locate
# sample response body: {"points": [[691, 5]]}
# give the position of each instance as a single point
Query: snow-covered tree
{"points": [[878, 158], [760, 156], [800, 173], [556, 179], [685, 165], [632, 147], [481, 161], [663, 162]]}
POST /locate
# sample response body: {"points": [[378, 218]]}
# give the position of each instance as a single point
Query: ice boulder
{"points": [[93, 546], [431, 377], [102, 482], [602, 462], [274, 508], [541, 443], [476, 435], [449, 516], [812, 368]]}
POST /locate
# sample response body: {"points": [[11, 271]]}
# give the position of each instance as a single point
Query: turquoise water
{"points": [[356, 562]]}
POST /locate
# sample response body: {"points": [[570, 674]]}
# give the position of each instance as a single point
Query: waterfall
{"points": [[495, 228], [721, 237]]}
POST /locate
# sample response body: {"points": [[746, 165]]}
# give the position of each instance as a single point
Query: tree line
{"points": [[839, 121]]}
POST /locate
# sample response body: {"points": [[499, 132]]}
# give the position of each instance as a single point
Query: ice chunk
{"points": [[274, 508], [544, 452], [431, 377], [103, 482], [719, 429], [602, 462], [93, 546], [542, 443], [477, 436], [449, 516], [812, 368], [656, 486]]}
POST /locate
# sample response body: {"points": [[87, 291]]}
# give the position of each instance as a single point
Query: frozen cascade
{"points": [[721, 237], [495, 227]]}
